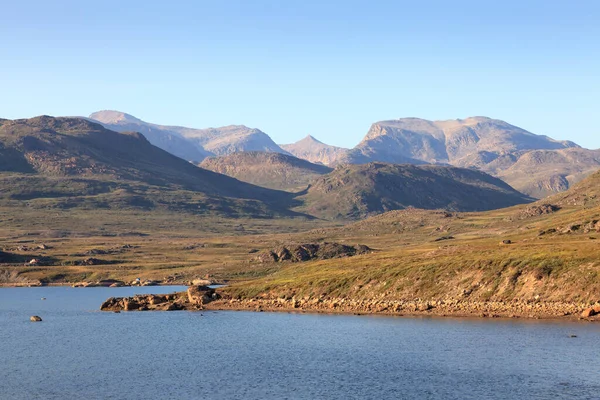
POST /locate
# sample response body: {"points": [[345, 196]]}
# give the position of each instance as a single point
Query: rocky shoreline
{"points": [[203, 297], [455, 308]]}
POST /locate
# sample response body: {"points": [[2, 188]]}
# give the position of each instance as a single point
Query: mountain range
{"points": [[188, 143], [48, 162], [533, 164], [72, 162]]}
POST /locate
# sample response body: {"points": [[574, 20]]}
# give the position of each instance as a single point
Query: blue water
{"points": [[78, 352]]}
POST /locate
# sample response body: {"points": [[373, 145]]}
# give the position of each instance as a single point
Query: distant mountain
{"points": [[271, 170], [188, 143], [314, 151], [71, 162], [541, 173], [159, 136], [491, 145], [357, 191], [398, 141]]}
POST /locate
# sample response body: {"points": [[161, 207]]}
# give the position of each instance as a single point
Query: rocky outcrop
{"points": [[194, 299], [311, 251], [537, 210], [590, 311]]}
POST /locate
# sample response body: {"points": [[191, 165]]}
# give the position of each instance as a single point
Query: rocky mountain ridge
{"points": [[188, 143]]}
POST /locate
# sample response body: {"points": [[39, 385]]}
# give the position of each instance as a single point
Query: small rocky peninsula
{"points": [[195, 298]]}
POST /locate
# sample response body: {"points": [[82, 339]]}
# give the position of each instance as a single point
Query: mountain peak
{"points": [[114, 117], [309, 138]]}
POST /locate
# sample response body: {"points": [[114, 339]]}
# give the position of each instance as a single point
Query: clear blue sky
{"points": [[292, 68]]}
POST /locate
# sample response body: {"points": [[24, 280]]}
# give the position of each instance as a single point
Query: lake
{"points": [[78, 352]]}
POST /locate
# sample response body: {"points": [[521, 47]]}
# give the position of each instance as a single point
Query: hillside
{"points": [[70, 162], [531, 261], [271, 170], [356, 191], [188, 143], [314, 151]]}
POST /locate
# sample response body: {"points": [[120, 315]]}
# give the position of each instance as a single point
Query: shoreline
{"points": [[480, 310], [530, 310], [34, 285]]}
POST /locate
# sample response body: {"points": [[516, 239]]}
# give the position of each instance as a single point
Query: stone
{"points": [[200, 295], [130, 305], [35, 318], [589, 312]]}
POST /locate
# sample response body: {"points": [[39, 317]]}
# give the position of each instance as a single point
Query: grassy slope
{"points": [[411, 265]]}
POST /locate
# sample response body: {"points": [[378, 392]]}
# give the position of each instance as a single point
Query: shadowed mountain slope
{"points": [[356, 191]]}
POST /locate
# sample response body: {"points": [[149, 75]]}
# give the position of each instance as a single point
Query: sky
{"points": [[293, 68]]}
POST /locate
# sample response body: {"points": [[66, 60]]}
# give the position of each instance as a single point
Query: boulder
{"points": [[200, 295], [35, 318], [201, 282], [591, 311], [130, 304], [283, 254]]}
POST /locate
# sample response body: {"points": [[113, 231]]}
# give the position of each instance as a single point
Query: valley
{"points": [[439, 240]]}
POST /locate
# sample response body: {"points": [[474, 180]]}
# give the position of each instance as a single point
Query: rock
{"points": [[441, 238], [43, 247], [35, 318], [130, 305], [174, 307], [201, 282], [200, 295], [590, 312], [110, 283], [311, 251], [506, 241], [534, 211], [283, 254], [34, 261]]}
